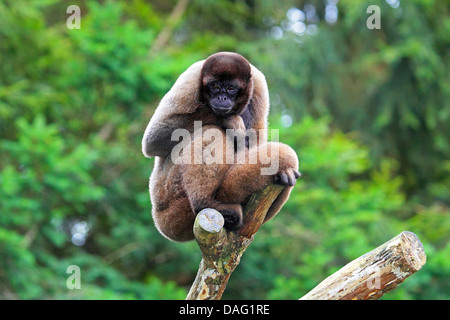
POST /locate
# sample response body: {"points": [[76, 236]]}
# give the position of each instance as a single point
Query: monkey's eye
{"points": [[231, 89], [215, 87]]}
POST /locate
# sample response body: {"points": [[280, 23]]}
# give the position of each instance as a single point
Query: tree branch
{"points": [[173, 19], [368, 277], [222, 249], [377, 272]]}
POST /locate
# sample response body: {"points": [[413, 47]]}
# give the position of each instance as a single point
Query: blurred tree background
{"points": [[366, 110]]}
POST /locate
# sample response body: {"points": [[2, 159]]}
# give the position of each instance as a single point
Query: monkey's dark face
{"points": [[226, 83], [222, 96]]}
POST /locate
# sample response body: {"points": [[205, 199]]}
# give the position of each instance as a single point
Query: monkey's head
{"points": [[227, 85]]}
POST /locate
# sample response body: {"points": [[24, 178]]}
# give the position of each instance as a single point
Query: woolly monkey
{"points": [[223, 92]]}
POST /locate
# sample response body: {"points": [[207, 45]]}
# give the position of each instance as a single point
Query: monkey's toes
{"points": [[287, 177], [233, 220]]}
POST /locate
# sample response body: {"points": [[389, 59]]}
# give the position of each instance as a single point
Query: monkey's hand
{"points": [[234, 122]]}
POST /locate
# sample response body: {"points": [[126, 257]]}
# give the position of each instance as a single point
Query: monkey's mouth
{"points": [[221, 111]]}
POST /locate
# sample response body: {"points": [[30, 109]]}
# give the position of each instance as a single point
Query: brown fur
{"points": [[179, 191]]}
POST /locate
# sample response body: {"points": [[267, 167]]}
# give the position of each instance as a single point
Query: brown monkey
{"points": [[224, 92]]}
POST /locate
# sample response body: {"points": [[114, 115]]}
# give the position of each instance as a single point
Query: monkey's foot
{"points": [[287, 177], [232, 214]]}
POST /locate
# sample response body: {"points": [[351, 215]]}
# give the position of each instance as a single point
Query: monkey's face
{"points": [[227, 85], [222, 96]]}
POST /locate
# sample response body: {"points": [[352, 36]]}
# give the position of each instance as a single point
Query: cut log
{"points": [[377, 272]]}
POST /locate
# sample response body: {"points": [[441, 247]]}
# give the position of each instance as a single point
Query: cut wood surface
{"points": [[375, 273]]}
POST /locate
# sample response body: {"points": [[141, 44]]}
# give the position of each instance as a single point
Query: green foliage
{"points": [[66, 140], [338, 214], [39, 166], [369, 107], [391, 84]]}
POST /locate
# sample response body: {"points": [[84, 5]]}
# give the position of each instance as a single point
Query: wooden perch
{"points": [[377, 272], [222, 249], [367, 278]]}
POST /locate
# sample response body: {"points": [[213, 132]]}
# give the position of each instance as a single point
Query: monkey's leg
{"points": [[275, 163], [175, 222], [201, 180], [171, 209]]}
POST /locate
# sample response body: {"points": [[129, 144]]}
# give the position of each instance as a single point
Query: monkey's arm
{"points": [[236, 123], [233, 122], [157, 139], [171, 113]]}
